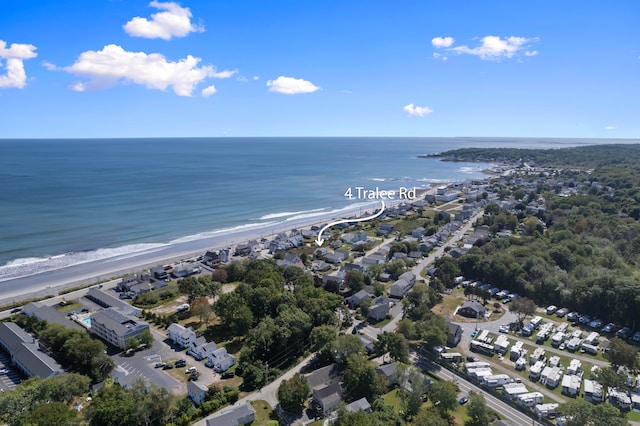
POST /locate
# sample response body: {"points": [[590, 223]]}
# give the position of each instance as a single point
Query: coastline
{"points": [[50, 283]]}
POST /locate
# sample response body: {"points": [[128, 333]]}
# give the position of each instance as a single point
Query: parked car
{"points": [[194, 375], [505, 328], [464, 400], [190, 370], [167, 366], [3, 371], [16, 310], [160, 364], [227, 375], [572, 316], [596, 323], [471, 358], [609, 328], [584, 319], [181, 363], [624, 333]]}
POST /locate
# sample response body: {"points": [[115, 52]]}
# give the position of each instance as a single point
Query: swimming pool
{"points": [[87, 321]]}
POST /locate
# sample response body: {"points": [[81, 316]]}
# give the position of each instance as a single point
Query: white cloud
{"points": [[291, 86], [175, 21], [417, 111], [12, 58], [531, 53], [78, 86], [256, 77], [440, 42], [208, 91], [242, 79], [610, 127], [50, 66], [113, 64], [346, 92], [439, 56], [495, 48]]}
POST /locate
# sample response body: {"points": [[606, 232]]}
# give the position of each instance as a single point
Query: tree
{"points": [[293, 393], [443, 394], [522, 307], [345, 346], [621, 353], [219, 275], [412, 389], [429, 417], [609, 378], [477, 410], [361, 378], [200, 307], [53, 414], [146, 338], [112, 406], [322, 336], [132, 343], [191, 287], [394, 343], [579, 412], [354, 280]]}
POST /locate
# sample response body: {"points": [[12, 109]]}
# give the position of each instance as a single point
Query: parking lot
{"points": [[9, 380]]}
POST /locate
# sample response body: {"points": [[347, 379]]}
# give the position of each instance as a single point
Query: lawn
{"points": [[382, 323], [392, 399], [68, 306], [263, 412]]}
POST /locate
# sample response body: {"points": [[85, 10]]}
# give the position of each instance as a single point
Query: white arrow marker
{"points": [[319, 240]]}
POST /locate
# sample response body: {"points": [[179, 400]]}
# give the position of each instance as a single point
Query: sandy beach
{"points": [[48, 284]]}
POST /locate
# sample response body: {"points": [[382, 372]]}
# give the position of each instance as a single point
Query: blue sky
{"points": [[134, 68]]}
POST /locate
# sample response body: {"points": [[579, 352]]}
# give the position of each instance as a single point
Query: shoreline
{"points": [[49, 283]]}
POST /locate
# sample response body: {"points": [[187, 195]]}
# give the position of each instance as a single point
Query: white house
{"points": [[220, 360], [571, 385], [181, 336], [201, 349], [196, 392], [530, 399]]}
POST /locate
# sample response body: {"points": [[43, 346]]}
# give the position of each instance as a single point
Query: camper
{"points": [[535, 322], [496, 380], [482, 348], [589, 349]]}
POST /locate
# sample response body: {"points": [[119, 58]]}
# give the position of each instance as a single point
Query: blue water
{"points": [[90, 199]]}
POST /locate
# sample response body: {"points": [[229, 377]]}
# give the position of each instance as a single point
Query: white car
{"points": [[3, 371]]}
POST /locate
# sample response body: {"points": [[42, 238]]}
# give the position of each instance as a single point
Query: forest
{"points": [[582, 250]]}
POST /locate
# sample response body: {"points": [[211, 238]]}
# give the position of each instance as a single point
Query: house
{"points": [[361, 404], [418, 232], [380, 308], [571, 385], [159, 273], [126, 282], [243, 249], [512, 390], [369, 346], [49, 314], [551, 376], [323, 376], [220, 360], [197, 392], [139, 288], [545, 410], [233, 416], [356, 237], [530, 399], [355, 299], [327, 398], [320, 265], [385, 229], [25, 352], [116, 326], [592, 391], [185, 269], [106, 300], [402, 286], [181, 336], [472, 309], [201, 349], [454, 335], [333, 258], [388, 373]]}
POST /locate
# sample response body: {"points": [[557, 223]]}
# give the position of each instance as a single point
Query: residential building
{"points": [[545, 410], [355, 299], [327, 398], [106, 300], [49, 314], [361, 404], [181, 336], [388, 373], [472, 309], [530, 399], [25, 352], [197, 392], [454, 335], [571, 385], [116, 326], [233, 416], [220, 360], [380, 308], [323, 376], [201, 349]]}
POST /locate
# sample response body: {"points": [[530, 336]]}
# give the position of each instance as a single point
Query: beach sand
{"points": [[50, 283]]}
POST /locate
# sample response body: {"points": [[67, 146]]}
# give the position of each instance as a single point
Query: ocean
{"points": [[66, 202]]}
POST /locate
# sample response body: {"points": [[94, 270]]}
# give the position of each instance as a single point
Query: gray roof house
{"points": [[355, 299], [116, 326], [327, 398], [196, 392], [388, 373], [361, 404], [472, 309], [25, 352], [106, 300], [233, 416], [324, 376], [182, 336], [454, 335], [402, 286], [49, 314], [380, 308]]}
